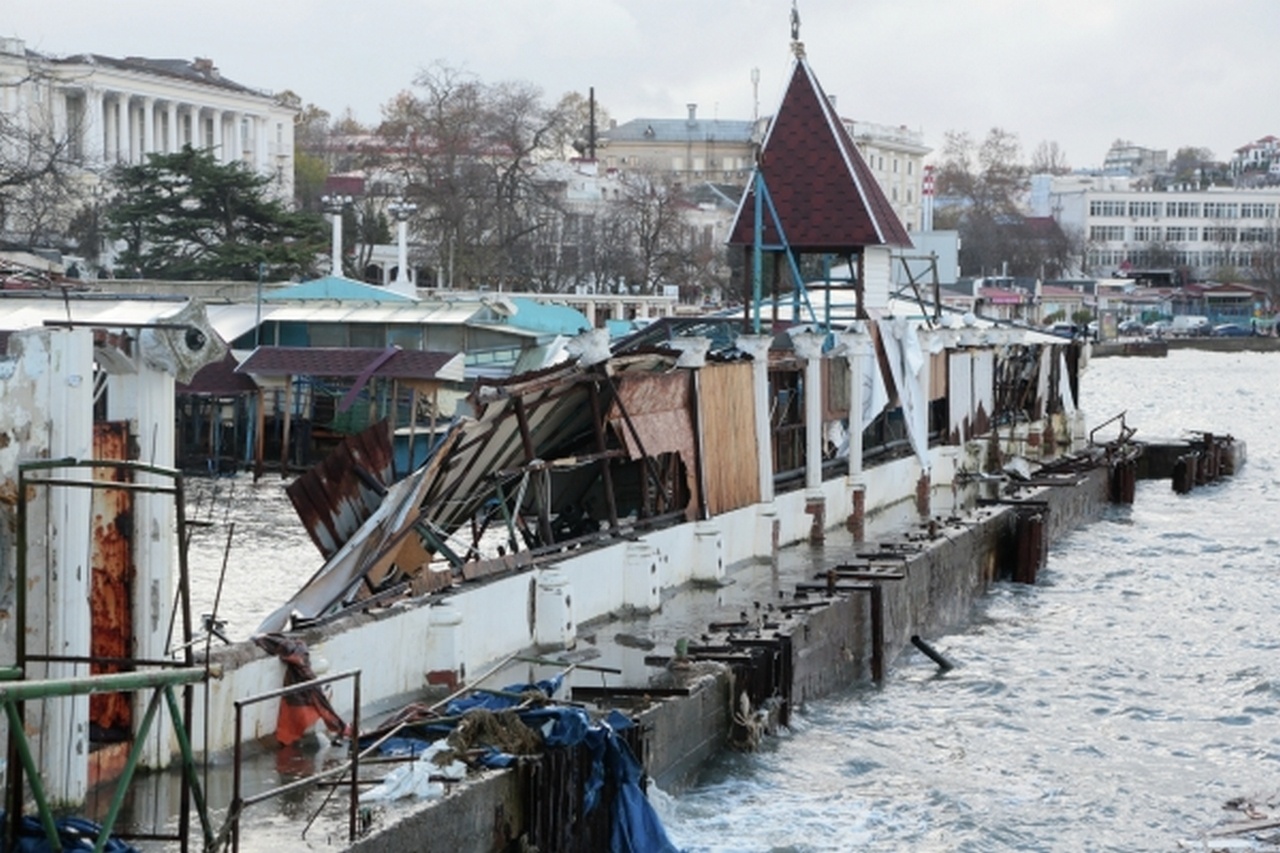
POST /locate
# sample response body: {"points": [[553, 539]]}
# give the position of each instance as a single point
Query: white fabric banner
{"points": [[875, 394], [1042, 383], [960, 393], [906, 358], [984, 382], [1064, 386]]}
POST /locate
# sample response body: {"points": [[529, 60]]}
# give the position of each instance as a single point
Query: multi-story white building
{"points": [[895, 155], [1262, 158], [1125, 228], [1125, 158], [113, 111]]}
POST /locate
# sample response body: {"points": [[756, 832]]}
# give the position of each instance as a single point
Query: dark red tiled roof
{"points": [[219, 379], [826, 197], [344, 362]]}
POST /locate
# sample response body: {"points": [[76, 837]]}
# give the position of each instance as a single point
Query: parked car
{"points": [[1231, 330], [1158, 329], [1190, 325], [1131, 326], [1074, 330], [1066, 330]]}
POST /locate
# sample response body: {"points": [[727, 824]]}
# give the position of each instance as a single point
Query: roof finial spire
{"points": [[797, 46]]}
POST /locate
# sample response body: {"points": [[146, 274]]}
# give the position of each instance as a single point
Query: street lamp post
{"points": [[335, 205], [402, 210]]}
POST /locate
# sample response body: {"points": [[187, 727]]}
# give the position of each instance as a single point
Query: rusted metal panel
{"points": [[339, 494], [658, 419], [726, 412], [1032, 546], [111, 580]]}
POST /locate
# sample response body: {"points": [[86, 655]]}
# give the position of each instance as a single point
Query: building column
{"points": [[262, 163], [859, 351], [193, 127], [757, 346], [171, 143], [808, 345], [217, 144], [95, 130], [235, 148], [119, 127], [133, 131], [148, 127]]}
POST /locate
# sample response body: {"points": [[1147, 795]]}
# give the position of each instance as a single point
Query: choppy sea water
{"points": [[1118, 705]]}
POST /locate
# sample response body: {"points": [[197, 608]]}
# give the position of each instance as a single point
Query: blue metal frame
{"points": [[799, 295]]}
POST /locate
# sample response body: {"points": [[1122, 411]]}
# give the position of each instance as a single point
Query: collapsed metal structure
{"points": [[589, 452]]}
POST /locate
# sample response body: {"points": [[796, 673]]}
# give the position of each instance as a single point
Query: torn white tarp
{"points": [[960, 394], [875, 395], [984, 386], [422, 779], [906, 359], [1042, 380], [1064, 386]]}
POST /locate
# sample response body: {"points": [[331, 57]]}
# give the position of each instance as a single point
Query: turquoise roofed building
{"points": [[498, 334], [337, 287]]}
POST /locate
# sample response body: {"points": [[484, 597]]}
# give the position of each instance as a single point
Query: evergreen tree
{"points": [[184, 216]]}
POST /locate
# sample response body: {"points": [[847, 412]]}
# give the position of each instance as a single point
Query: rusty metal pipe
{"points": [[932, 653]]}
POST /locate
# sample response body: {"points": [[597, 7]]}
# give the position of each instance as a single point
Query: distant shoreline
{"points": [[1158, 347]]}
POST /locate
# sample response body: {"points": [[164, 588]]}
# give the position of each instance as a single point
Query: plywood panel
{"points": [[727, 415]]}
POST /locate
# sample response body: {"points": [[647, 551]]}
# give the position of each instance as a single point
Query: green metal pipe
{"points": [[18, 743], [115, 682], [130, 767], [189, 766]]}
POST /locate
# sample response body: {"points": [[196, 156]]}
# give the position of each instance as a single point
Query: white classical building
{"points": [[113, 111], [1129, 228]]}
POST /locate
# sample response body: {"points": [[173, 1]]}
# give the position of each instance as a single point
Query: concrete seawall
{"points": [[822, 643]]}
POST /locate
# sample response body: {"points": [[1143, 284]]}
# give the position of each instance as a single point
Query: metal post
{"points": [[757, 252], [877, 633]]}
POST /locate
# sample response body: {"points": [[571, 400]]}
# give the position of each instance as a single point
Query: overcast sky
{"points": [[1082, 73]]}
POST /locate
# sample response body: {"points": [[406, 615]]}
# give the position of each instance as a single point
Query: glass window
{"points": [[405, 337], [327, 334], [368, 335]]}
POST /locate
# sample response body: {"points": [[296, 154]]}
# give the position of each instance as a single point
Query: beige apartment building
{"points": [[694, 150]]}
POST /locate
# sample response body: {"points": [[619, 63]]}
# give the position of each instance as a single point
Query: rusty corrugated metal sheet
{"points": [[339, 494], [111, 579], [346, 362], [658, 406]]}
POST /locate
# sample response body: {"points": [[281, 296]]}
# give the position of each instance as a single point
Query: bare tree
{"points": [[40, 164], [650, 219], [1188, 165], [466, 152], [1049, 159], [980, 186]]}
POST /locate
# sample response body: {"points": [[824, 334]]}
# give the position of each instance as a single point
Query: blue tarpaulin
{"points": [[74, 833], [636, 826]]}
